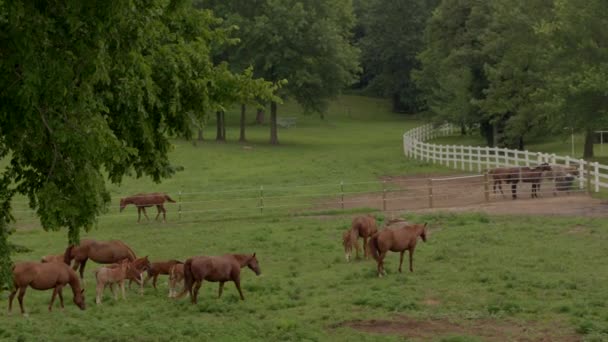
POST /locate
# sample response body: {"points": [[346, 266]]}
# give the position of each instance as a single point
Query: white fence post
{"points": [[596, 170], [478, 158], [496, 156], [487, 157], [581, 174], [462, 159], [470, 158], [527, 158]]}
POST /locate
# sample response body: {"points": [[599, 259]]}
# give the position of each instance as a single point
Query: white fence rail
{"points": [[476, 158]]}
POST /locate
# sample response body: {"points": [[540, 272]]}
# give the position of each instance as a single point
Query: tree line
{"points": [[93, 90]]}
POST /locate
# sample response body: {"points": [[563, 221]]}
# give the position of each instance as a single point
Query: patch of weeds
{"points": [[585, 327]]}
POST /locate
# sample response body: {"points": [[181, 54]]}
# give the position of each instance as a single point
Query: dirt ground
{"points": [[488, 330], [453, 193]]}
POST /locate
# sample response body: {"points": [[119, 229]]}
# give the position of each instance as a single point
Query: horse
{"points": [[142, 201], [562, 177], [104, 252], [45, 276], [52, 258], [216, 269], [399, 239], [361, 227], [158, 268], [110, 275], [176, 275], [513, 175]]}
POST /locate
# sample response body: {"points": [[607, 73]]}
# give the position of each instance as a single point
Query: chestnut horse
{"points": [[142, 201], [361, 227], [110, 275], [158, 268], [176, 275], [562, 177], [216, 269], [104, 252], [399, 239], [45, 276]]}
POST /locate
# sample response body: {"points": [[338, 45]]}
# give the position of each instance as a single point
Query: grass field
{"points": [[489, 278]]}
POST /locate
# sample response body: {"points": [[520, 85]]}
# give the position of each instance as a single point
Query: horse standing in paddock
{"points": [[52, 258], [45, 276], [105, 252], [110, 275], [514, 175], [158, 268], [562, 177], [142, 201], [362, 227], [176, 275], [397, 239], [216, 269]]}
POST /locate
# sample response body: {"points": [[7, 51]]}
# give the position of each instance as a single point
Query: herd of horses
{"points": [[561, 176]]}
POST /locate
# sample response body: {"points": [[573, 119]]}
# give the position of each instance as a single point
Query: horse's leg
{"points": [[145, 214], [500, 188], [221, 289], [83, 263], [237, 282], [154, 280], [164, 213], [411, 250], [122, 288], [514, 190], [10, 299], [158, 206], [53, 299], [195, 290], [138, 214], [20, 298], [60, 293], [99, 292], [401, 259], [365, 250]]}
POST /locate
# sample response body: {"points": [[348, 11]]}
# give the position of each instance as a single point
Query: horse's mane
{"points": [[131, 253]]}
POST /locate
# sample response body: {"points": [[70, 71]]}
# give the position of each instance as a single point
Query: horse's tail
{"points": [[188, 278], [373, 246], [67, 255], [169, 198]]}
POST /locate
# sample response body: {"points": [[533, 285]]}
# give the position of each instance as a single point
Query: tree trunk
{"points": [[223, 126], [274, 139], [520, 143], [259, 116], [221, 130], [243, 110], [487, 131], [588, 151], [463, 129]]}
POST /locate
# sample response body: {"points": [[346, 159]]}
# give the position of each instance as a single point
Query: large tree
{"points": [[391, 37], [305, 42], [89, 90]]}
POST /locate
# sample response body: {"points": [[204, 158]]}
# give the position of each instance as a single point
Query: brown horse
{"points": [[361, 227], [216, 269], [176, 275], [104, 252], [398, 239], [142, 201], [158, 268], [45, 276], [514, 175], [562, 177], [110, 275]]}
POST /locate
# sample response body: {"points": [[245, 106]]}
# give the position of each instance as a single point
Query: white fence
{"points": [[476, 158]]}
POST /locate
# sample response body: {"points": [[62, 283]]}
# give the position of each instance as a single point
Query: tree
{"points": [[392, 34], [306, 43], [576, 55], [89, 89]]}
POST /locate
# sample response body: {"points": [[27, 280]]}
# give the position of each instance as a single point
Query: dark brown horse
{"points": [[158, 268], [216, 269], [362, 227], [142, 201], [104, 252], [397, 238], [45, 276], [514, 175]]}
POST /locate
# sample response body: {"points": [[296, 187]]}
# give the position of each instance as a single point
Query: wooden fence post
{"points": [[430, 186], [261, 199], [486, 186]]}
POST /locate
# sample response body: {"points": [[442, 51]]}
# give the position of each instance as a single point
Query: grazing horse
{"points": [[52, 258], [142, 201], [158, 268], [399, 239], [514, 175], [362, 227], [104, 252], [45, 276], [562, 177], [176, 275], [216, 269]]}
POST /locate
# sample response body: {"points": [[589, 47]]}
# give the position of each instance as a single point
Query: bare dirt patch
{"points": [[488, 330], [466, 193]]}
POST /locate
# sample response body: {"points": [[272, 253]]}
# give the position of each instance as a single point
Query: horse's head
{"points": [[79, 299], [253, 265], [423, 234], [123, 204]]}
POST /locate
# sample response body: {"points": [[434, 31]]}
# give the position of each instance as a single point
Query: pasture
{"points": [[477, 278]]}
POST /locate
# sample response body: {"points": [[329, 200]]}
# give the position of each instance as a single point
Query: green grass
{"points": [[549, 272]]}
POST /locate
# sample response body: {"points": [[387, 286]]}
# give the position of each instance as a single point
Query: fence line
{"points": [[478, 158]]}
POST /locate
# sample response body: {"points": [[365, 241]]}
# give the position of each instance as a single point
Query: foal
{"points": [[396, 240], [176, 275], [45, 276], [110, 275], [362, 227], [158, 268]]}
